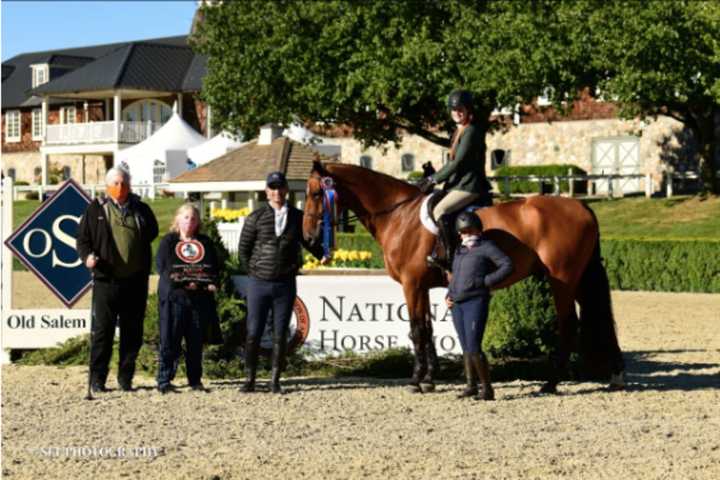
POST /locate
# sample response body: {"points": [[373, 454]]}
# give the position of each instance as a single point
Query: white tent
{"points": [[216, 147], [162, 156]]}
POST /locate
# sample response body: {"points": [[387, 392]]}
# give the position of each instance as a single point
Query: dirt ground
{"points": [[664, 426]]}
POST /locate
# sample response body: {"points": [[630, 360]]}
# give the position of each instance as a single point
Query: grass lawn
{"points": [[676, 218]]}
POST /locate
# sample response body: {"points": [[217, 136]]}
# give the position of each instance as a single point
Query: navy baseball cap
{"points": [[276, 180]]}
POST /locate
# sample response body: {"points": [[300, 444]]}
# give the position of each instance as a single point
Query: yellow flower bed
{"points": [[341, 259], [228, 214]]}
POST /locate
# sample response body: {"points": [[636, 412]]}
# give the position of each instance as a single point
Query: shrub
{"points": [[527, 186], [521, 323], [663, 265], [415, 176]]}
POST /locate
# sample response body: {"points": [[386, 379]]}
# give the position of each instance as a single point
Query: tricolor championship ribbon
{"points": [[329, 215]]}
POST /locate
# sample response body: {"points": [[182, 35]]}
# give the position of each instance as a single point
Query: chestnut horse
{"points": [[555, 236]]}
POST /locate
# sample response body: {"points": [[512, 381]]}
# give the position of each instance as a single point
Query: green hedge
{"points": [[663, 265], [521, 322], [527, 186], [632, 264]]}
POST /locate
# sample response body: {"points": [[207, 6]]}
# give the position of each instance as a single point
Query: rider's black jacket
{"points": [[270, 257]]}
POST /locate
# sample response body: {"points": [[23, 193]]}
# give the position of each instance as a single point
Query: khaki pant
{"points": [[453, 201]]}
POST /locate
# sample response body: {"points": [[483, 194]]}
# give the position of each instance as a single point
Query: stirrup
{"points": [[435, 261]]}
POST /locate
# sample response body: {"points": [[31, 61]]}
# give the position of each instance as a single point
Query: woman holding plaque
{"points": [[188, 267]]}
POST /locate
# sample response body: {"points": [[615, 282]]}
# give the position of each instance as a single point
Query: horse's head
{"points": [[314, 203]]}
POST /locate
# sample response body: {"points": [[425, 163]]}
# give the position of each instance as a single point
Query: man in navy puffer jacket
{"points": [[478, 265]]}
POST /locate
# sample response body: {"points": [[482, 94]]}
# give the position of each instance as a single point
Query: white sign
{"points": [[363, 314], [42, 328]]}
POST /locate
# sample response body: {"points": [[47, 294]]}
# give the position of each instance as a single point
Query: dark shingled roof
{"points": [[195, 74], [16, 78], [253, 162], [142, 66]]}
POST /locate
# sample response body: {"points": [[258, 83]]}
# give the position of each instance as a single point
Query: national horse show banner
{"points": [[359, 313]]}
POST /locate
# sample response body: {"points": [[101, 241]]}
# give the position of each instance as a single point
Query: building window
{"points": [[11, 173], [499, 158], [147, 111], [68, 115], [366, 161], [39, 75], [67, 173], [37, 124], [12, 126], [408, 162]]}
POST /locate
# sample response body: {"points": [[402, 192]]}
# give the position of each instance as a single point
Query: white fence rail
{"points": [[600, 185], [145, 191], [230, 234]]}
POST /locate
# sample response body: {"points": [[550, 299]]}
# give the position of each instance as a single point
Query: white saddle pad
{"points": [[425, 216]]}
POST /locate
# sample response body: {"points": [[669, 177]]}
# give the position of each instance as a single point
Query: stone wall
{"points": [[662, 142], [27, 165], [389, 159]]}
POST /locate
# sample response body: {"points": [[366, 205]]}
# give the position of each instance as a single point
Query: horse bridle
{"points": [[392, 208]]}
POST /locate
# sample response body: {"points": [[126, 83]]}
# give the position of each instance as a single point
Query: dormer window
{"points": [[40, 74]]}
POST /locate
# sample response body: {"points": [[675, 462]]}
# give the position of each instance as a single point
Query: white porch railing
{"points": [[99, 132]]}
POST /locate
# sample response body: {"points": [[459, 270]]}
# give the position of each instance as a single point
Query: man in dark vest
{"points": [[113, 240], [270, 250]]}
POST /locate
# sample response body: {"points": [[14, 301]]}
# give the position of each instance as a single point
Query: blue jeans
{"points": [[183, 322], [266, 295], [469, 318]]}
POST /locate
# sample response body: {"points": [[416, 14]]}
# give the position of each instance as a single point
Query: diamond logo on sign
{"points": [[45, 243]]}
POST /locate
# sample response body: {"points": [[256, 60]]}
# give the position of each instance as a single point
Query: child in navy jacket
{"points": [[478, 265]]}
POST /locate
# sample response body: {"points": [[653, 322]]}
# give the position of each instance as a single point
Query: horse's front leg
{"points": [[427, 384], [419, 336]]}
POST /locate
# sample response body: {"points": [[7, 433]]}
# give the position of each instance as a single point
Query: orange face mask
{"points": [[119, 193]]}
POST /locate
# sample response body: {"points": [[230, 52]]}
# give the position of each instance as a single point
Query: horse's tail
{"points": [[599, 348]]}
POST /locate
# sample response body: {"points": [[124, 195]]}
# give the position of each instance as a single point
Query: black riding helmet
{"points": [[460, 98], [468, 220]]}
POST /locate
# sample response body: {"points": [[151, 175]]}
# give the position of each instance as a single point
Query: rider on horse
{"points": [[464, 174]]}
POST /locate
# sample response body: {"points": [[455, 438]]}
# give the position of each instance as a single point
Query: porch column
{"points": [[179, 104], [44, 166], [106, 116], [44, 119], [117, 110], [208, 121], [86, 111]]}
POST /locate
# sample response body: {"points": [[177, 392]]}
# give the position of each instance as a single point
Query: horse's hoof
{"points": [[427, 387], [548, 388], [414, 388]]}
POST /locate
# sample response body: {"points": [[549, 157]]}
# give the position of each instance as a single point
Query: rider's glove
{"points": [[426, 185]]}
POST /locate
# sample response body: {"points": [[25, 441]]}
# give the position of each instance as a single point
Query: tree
{"points": [[663, 58], [384, 68]]}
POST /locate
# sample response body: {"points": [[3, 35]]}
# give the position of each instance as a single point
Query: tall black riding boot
{"points": [[278, 362], [251, 359], [471, 389], [482, 370], [446, 239]]}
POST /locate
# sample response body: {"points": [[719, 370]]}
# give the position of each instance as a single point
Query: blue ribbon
{"points": [[328, 227]]}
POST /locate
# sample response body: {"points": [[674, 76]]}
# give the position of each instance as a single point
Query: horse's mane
{"points": [[364, 176]]}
